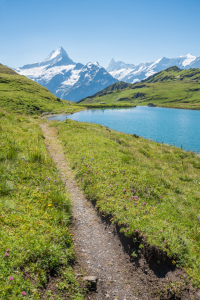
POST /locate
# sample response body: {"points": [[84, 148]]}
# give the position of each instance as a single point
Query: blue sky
{"points": [[90, 30]]}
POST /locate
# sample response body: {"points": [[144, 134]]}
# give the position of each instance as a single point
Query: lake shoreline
{"points": [[161, 124], [185, 108]]}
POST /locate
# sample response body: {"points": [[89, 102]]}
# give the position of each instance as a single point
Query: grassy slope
{"points": [[113, 87], [151, 189], [6, 70], [34, 209], [34, 216], [170, 88], [109, 96], [22, 95]]}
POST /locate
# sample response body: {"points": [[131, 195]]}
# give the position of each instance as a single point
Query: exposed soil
{"points": [[104, 252]]}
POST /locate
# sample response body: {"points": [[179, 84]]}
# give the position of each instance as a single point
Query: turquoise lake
{"points": [[177, 127]]}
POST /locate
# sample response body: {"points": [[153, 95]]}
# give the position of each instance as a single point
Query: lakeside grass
{"points": [[149, 189], [35, 211]]}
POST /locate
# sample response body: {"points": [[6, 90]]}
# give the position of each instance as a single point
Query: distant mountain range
{"points": [[66, 79], [74, 81], [133, 73]]}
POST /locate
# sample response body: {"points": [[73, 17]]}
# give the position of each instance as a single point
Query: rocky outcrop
{"points": [[151, 105]]}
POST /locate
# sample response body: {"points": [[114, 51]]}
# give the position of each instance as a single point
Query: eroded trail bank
{"points": [[99, 249]]}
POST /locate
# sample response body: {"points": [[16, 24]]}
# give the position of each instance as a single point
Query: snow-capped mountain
{"points": [[66, 79], [133, 73]]}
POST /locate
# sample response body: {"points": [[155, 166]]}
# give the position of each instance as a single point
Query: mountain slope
{"points": [[113, 87], [170, 88], [20, 94], [66, 79], [134, 73]]}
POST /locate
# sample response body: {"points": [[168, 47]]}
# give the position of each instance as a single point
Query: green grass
{"points": [[21, 95], [149, 189], [6, 70], [170, 88], [35, 211]]}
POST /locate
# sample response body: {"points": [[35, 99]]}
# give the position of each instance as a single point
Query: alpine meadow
{"points": [[100, 150]]}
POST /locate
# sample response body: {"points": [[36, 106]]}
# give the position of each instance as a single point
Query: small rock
{"points": [[92, 282], [78, 275], [151, 105]]}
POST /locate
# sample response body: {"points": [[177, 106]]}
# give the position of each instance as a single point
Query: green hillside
{"points": [[6, 70], [22, 95], [113, 87], [170, 88], [35, 208]]}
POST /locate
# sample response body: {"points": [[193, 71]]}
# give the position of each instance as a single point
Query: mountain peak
{"points": [[58, 53], [118, 65], [190, 55], [58, 57], [97, 64], [89, 65], [188, 59], [112, 65]]}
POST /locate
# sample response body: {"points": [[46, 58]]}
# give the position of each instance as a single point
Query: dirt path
{"points": [[99, 250]]}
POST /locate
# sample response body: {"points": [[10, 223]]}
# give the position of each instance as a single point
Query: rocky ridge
{"points": [[131, 73]]}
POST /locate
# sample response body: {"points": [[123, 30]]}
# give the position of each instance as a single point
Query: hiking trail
{"points": [[98, 247]]}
